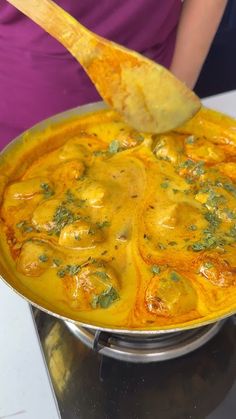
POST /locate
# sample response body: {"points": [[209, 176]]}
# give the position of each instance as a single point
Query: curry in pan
{"points": [[113, 227]]}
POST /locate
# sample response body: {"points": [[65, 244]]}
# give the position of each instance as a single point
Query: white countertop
{"points": [[25, 388]]}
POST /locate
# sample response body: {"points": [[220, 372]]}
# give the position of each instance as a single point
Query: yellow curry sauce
{"points": [[121, 229]]}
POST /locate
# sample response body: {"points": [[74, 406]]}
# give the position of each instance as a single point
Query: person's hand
{"points": [[197, 27]]}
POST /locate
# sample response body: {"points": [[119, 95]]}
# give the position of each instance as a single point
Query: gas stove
{"points": [[96, 375], [145, 349]]}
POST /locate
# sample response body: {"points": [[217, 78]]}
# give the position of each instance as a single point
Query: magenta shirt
{"points": [[39, 78]]}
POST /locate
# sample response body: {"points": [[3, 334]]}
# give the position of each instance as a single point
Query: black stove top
{"points": [[200, 385]]}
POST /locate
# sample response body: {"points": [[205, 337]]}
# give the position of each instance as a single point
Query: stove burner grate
{"points": [[136, 348]]}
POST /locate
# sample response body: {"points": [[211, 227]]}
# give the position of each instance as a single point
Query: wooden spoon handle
{"points": [[60, 24]]}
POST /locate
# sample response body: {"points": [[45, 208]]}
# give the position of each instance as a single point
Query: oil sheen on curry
{"points": [[122, 229]]}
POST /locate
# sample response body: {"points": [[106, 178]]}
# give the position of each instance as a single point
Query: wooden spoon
{"points": [[145, 94]]}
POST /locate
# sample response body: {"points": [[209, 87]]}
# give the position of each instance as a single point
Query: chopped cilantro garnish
{"points": [[61, 273], [161, 246], [69, 270], [214, 199], [190, 140], [101, 274], [57, 262], [232, 231], [198, 246], [99, 153], [71, 199], [189, 179], [209, 241], [79, 203], [230, 214], [208, 265], [164, 185], [164, 158], [114, 147], [192, 227], [62, 217], [138, 137], [73, 269], [230, 188], [212, 218], [186, 164], [21, 224], [105, 299], [93, 260], [104, 252], [205, 187], [103, 224], [174, 276], [195, 169], [47, 190], [43, 258], [212, 241], [24, 226], [155, 269], [199, 169]]}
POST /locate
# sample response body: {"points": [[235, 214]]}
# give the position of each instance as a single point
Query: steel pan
{"points": [[33, 139]]}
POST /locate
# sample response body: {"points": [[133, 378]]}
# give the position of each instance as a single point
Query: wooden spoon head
{"points": [[148, 96]]}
